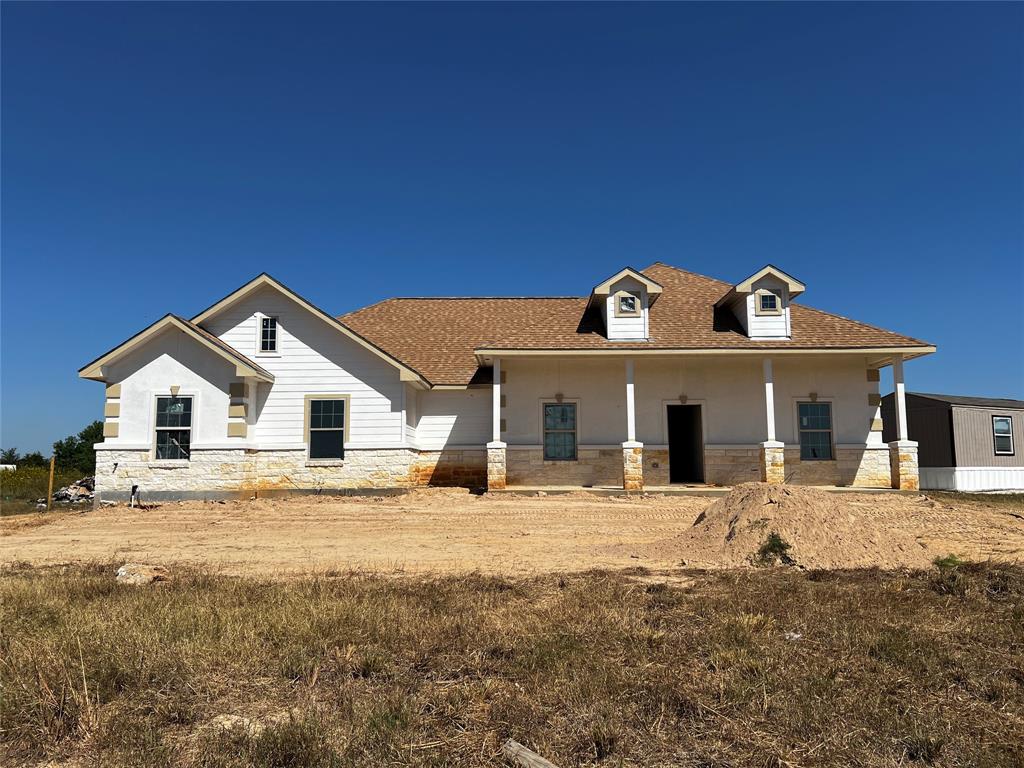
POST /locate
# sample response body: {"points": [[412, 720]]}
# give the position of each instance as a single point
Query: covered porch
{"points": [[698, 422]]}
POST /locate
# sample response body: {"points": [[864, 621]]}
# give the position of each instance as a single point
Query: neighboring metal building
{"points": [[964, 443]]}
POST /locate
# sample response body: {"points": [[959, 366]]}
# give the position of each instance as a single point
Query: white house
{"points": [[658, 376]]}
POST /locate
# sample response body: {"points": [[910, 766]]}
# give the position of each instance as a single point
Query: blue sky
{"points": [[157, 156]]}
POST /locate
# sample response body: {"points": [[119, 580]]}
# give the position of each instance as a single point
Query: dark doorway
{"points": [[685, 444]]}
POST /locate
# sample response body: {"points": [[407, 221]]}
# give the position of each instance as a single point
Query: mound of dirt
{"points": [[822, 529]]}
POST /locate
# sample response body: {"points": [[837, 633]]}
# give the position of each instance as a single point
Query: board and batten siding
{"points": [[312, 358], [974, 442], [929, 424]]}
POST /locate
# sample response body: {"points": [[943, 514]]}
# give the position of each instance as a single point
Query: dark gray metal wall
{"points": [[929, 424]]}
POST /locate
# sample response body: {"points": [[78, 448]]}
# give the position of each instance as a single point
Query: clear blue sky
{"points": [[157, 156]]}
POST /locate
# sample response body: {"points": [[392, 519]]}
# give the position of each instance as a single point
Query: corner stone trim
{"points": [[773, 463], [495, 469], [903, 466], [632, 468]]}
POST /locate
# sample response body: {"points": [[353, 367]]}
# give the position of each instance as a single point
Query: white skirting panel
{"points": [[972, 478]]}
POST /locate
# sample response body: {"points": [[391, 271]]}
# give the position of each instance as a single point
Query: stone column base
{"points": [[773, 462], [903, 465], [496, 466], [632, 466]]}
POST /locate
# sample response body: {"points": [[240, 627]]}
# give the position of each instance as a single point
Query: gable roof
{"points": [[243, 365], [977, 402], [406, 371], [442, 337]]}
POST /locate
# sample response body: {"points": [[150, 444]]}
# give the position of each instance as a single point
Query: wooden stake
{"points": [[49, 490], [521, 756]]}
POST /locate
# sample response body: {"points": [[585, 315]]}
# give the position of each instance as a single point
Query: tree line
{"points": [[73, 452]]}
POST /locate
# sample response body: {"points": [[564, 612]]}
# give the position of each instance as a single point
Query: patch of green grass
{"points": [[773, 551], [745, 668]]}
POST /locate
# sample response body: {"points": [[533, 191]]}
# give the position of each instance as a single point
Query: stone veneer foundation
{"points": [[632, 467], [903, 469], [243, 472]]}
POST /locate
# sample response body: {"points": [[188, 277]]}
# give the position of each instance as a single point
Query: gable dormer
{"points": [[761, 303], [624, 300]]}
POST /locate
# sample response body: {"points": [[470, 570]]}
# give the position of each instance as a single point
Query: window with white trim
{"points": [[559, 431], [173, 428], [327, 429], [268, 334], [1002, 435], [815, 431]]}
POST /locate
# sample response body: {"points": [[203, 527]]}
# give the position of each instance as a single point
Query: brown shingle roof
{"points": [[438, 337]]}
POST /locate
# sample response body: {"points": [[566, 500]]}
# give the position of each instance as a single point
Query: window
{"points": [[173, 428], [1002, 435], [768, 303], [815, 431], [268, 334], [559, 431], [326, 428], [627, 305]]}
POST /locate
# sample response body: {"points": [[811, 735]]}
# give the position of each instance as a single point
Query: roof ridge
{"points": [[686, 272]]}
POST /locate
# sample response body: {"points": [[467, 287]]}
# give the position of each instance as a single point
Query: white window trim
{"points": [[260, 317], [1013, 448], [194, 394], [540, 411]]}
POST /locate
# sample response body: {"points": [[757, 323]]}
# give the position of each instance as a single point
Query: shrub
{"points": [[774, 550]]}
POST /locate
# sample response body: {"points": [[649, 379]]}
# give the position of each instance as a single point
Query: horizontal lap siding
{"points": [[313, 358], [453, 418]]}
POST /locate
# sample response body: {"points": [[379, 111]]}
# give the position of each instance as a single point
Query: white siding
{"points": [[768, 326], [626, 328], [453, 418], [972, 478], [313, 358], [172, 359]]}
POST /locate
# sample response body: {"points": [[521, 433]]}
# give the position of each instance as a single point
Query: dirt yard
{"points": [[451, 531]]}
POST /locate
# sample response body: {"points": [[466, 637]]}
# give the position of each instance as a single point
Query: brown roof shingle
{"points": [[438, 337]]}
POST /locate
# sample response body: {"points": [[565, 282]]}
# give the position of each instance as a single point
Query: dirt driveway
{"points": [[443, 531]]}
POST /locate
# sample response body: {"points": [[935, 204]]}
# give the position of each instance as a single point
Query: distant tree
{"points": [[34, 459], [76, 451], [9, 456]]}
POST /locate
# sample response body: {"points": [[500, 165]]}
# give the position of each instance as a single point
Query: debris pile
{"points": [[139, 574], [78, 492]]}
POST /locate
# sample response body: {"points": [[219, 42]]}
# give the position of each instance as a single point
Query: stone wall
{"points": [[731, 466], [593, 467], [860, 467], [632, 468], [655, 475], [246, 472]]}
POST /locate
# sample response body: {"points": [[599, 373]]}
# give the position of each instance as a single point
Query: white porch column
{"points": [[900, 399], [632, 451], [769, 397], [496, 468], [903, 465], [630, 404], [496, 403], [773, 456]]}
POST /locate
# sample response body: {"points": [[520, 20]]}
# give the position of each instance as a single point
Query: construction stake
{"points": [[49, 490]]}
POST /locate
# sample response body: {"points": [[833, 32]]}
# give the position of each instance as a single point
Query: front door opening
{"points": [[685, 444]]}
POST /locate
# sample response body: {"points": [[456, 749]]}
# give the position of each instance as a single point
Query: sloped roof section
{"points": [[439, 337], [975, 402]]}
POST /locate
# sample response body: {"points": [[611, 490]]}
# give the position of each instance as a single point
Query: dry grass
{"points": [[774, 667]]}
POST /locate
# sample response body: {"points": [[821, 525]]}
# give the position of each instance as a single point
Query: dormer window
{"points": [[627, 305], [768, 303]]}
